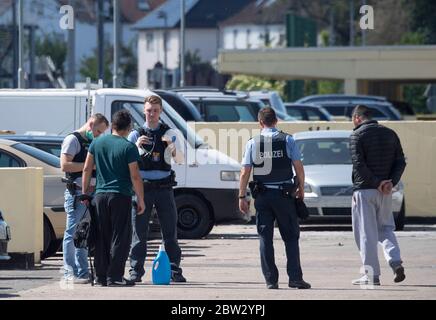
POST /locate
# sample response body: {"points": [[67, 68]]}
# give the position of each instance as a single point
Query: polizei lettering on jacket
{"points": [[271, 154]]}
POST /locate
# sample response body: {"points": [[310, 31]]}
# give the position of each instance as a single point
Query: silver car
{"points": [[327, 163]]}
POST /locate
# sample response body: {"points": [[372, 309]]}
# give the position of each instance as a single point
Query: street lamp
{"points": [[163, 15]]}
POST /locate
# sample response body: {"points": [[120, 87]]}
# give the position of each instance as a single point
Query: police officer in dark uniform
{"points": [[73, 154], [157, 145], [271, 157]]}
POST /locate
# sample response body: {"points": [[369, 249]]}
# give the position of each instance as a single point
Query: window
{"points": [[38, 154], [313, 115], [143, 5], [296, 113], [228, 112], [54, 149], [149, 41], [325, 151], [337, 111], [7, 160]]}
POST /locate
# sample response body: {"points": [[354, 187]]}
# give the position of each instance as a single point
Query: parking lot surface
{"points": [[226, 265]]}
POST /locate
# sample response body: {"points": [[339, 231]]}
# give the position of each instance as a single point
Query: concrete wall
{"points": [[418, 139], [21, 202]]}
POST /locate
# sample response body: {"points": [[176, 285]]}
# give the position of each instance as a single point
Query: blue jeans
{"points": [[75, 260]]}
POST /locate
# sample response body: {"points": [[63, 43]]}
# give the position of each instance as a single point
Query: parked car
{"points": [[328, 167], [226, 106], [183, 106], [307, 112], [342, 105], [16, 154], [50, 144], [270, 98]]}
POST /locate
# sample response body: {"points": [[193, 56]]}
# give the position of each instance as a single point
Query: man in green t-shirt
{"points": [[116, 162]]}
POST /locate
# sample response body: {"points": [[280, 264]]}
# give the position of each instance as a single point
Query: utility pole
{"points": [[332, 37], [163, 15], [20, 45], [100, 39], [116, 43], [182, 43], [32, 29], [14, 44], [363, 30], [351, 23], [71, 53]]}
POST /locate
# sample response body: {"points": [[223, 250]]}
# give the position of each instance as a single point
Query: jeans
{"points": [[75, 260]]}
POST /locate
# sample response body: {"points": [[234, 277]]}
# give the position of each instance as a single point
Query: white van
{"points": [[207, 191]]}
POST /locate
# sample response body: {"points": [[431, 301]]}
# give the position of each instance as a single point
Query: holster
{"points": [[256, 188], [288, 190]]}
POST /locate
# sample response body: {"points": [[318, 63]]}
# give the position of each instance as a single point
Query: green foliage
{"points": [[423, 19], [414, 95], [412, 38], [54, 46], [328, 87], [127, 66], [251, 83]]}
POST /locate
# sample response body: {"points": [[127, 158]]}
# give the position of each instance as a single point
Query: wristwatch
{"points": [[242, 197]]}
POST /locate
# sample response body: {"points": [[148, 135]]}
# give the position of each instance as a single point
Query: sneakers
{"points": [[100, 283], [399, 274], [81, 280], [134, 278], [365, 280], [123, 283], [272, 286], [299, 284], [177, 277]]}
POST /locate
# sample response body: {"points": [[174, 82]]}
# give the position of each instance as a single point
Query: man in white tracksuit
{"points": [[378, 163]]}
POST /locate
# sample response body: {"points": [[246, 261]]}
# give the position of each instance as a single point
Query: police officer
{"points": [[271, 157], [73, 154], [157, 145]]}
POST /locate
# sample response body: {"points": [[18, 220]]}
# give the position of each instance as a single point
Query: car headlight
{"points": [[229, 175], [307, 188]]}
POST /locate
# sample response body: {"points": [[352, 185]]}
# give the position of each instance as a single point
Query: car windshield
{"points": [[325, 151], [38, 154], [181, 124]]}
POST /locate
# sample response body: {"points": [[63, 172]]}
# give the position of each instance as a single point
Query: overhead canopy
{"points": [[352, 64]]}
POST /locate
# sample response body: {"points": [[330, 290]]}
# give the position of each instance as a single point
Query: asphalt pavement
{"points": [[226, 265]]}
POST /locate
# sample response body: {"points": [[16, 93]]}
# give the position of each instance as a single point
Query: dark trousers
{"points": [[163, 200], [270, 206], [113, 235]]}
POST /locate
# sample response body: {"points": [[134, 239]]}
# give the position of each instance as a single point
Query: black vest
{"points": [[154, 156], [281, 164], [80, 157]]}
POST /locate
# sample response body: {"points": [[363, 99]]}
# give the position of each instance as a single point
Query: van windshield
{"points": [[181, 124]]}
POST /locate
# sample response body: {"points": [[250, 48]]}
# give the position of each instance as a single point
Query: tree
{"points": [[251, 83], [423, 20], [54, 46]]}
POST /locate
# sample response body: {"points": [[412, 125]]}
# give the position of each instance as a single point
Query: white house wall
{"points": [[205, 41], [252, 37]]}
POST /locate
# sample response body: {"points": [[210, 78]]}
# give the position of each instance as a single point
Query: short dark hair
{"points": [[100, 118], [153, 99], [363, 112], [121, 120], [267, 116]]}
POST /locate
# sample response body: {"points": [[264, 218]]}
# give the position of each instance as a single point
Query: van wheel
{"points": [[51, 245], [400, 218], [194, 220]]}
